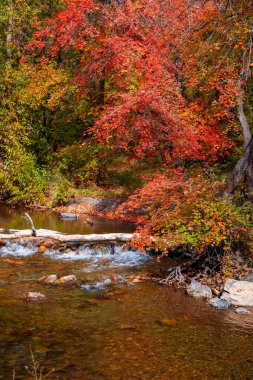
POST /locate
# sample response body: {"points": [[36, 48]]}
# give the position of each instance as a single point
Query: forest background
{"points": [[150, 99]]}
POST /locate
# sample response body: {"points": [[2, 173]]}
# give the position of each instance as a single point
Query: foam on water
{"points": [[97, 286], [15, 249], [97, 258], [102, 256]]}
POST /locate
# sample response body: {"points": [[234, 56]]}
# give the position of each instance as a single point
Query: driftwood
{"points": [[8, 235], [209, 262], [30, 221]]}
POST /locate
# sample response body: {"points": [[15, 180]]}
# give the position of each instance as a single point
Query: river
{"points": [[110, 331]]}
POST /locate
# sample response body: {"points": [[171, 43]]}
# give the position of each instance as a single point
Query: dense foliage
{"points": [[85, 82]]}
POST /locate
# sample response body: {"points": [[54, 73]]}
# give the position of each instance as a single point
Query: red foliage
{"points": [[142, 52]]}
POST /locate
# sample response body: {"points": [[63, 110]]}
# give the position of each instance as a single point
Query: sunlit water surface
{"points": [[108, 331]]}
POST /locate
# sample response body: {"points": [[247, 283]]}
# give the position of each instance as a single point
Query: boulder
{"points": [[239, 293], [219, 304], [34, 297], [249, 277], [196, 289], [70, 280], [242, 310]]}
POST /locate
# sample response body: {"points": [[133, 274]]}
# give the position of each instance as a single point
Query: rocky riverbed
{"points": [[94, 314]]}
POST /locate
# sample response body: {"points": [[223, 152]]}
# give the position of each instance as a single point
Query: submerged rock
{"points": [[219, 304], [69, 216], [50, 279], [67, 280], [242, 310], [34, 297], [238, 293], [196, 289], [166, 322]]}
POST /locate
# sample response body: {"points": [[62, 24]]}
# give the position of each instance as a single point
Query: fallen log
{"points": [[61, 237]]}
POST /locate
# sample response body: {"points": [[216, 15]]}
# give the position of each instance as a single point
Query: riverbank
{"points": [[94, 206]]}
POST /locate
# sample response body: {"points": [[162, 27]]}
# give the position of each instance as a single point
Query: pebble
{"points": [[242, 310]]}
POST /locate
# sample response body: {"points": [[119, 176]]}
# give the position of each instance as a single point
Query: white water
{"points": [[18, 250], [96, 258]]}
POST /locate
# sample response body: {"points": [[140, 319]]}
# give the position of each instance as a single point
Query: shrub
{"points": [[21, 180], [190, 214], [81, 163]]}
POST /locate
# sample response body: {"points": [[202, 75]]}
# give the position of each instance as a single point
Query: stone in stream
{"points": [[70, 280], [34, 297], [249, 277], [196, 289], [219, 304], [242, 310], [69, 216], [52, 279], [239, 293], [42, 249], [49, 279]]}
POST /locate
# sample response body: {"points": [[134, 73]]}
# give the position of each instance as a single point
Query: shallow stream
{"points": [[109, 331]]}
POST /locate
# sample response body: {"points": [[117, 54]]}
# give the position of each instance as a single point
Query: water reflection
{"points": [[11, 218]]}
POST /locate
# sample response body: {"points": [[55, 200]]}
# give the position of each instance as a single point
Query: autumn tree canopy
{"points": [[91, 86], [163, 76]]}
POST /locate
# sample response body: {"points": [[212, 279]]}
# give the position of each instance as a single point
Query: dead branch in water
{"points": [[30, 221]]}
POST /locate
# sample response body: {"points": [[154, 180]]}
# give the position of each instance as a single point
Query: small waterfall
{"points": [[95, 256], [19, 250]]}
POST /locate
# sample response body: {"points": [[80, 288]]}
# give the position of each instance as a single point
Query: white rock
{"points": [[241, 310], [238, 293], [34, 297], [198, 290]]}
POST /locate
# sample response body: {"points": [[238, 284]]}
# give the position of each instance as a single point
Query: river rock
{"points": [[249, 277], [49, 243], [238, 293], [219, 304], [68, 280], [34, 297], [42, 249], [196, 289], [50, 279], [242, 310], [69, 216]]}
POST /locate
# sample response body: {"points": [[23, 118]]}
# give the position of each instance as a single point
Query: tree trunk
{"points": [[243, 171], [244, 123]]}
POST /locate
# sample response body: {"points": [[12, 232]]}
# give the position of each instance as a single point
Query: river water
{"points": [[110, 331]]}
